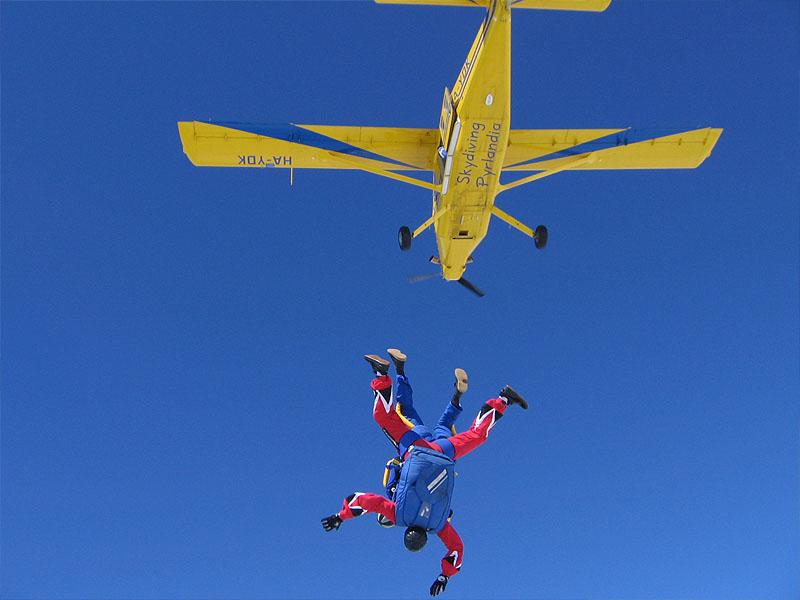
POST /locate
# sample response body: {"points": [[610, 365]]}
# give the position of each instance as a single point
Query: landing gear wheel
{"points": [[541, 237], [404, 238]]}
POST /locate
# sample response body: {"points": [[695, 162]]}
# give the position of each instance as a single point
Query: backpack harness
{"points": [[425, 489]]}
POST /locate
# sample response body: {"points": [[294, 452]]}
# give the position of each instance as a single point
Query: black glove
{"points": [[331, 523], [439, 585]]}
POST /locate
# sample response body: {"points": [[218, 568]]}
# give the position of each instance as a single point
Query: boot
{"points": [[379, 365], [399, 360], [460, 385], [512, 397]]}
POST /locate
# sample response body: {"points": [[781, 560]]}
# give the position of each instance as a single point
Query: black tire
{"points": [[541, 237], [404, 238]]}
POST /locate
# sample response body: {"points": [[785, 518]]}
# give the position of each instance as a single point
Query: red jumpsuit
{"points": [[402, 435]]}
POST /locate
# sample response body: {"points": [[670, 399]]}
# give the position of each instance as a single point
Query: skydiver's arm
{"points": [[357, 504], [360, 502], [451, 563]]}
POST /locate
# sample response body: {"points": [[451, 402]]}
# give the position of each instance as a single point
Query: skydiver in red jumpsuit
{"points": [[405, 438]]}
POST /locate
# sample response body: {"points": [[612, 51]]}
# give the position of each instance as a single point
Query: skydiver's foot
{"points": [[512, 397], [399, 360], [460, 385], [461, 380], [379, 365]]}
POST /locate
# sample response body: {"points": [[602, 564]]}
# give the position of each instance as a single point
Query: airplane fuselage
{"points": [[475, 141]]}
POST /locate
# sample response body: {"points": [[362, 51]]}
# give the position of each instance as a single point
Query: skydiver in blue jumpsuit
{"points": [[444, 428]]}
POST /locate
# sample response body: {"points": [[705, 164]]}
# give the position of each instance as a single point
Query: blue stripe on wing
{"points": [[297, 135], [621, 138]]}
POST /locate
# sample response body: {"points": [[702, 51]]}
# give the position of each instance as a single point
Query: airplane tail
{"points": [[583, 5]]}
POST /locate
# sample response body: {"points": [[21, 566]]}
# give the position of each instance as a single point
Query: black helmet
{"points": [[415, 538]]}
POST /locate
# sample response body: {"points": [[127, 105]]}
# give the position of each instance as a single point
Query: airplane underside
{"points": [[468, 153]]}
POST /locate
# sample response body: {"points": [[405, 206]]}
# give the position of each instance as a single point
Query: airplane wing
{"points": [[588, 5], [223, 144], [547, 149]]}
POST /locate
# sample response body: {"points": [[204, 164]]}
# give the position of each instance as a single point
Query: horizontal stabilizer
{"points": [[307, 146], [584, 5], [546, 149]]}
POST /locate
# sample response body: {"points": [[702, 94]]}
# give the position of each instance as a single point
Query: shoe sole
{"points": [[396, 354], [374, 359], [462, 380]]}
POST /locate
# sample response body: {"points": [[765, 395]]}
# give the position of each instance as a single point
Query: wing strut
{"points": [[542, 174], [516, 224], [431, 220], [385, 173]]}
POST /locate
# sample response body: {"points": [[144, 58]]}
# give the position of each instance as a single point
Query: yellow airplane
{"points": [[466, 155]]}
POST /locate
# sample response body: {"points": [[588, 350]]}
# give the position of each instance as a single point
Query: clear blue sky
{"points": [[183, 390]]}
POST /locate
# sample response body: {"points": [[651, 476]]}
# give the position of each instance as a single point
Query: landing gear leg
{"points": [[539, 236], [405, 235]]}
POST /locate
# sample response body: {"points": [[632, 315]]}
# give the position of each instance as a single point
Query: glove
{"points": [[439, 585], [331, 523]]}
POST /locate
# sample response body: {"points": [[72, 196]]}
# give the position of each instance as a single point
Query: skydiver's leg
{"points": [[405, 401], [383, 409], [404, 393], [396, 429], [467, 441], [445, 426], [489, 414]]}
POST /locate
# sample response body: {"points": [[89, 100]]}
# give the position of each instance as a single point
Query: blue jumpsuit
{"points": [[404, 396], [405, 400]]}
